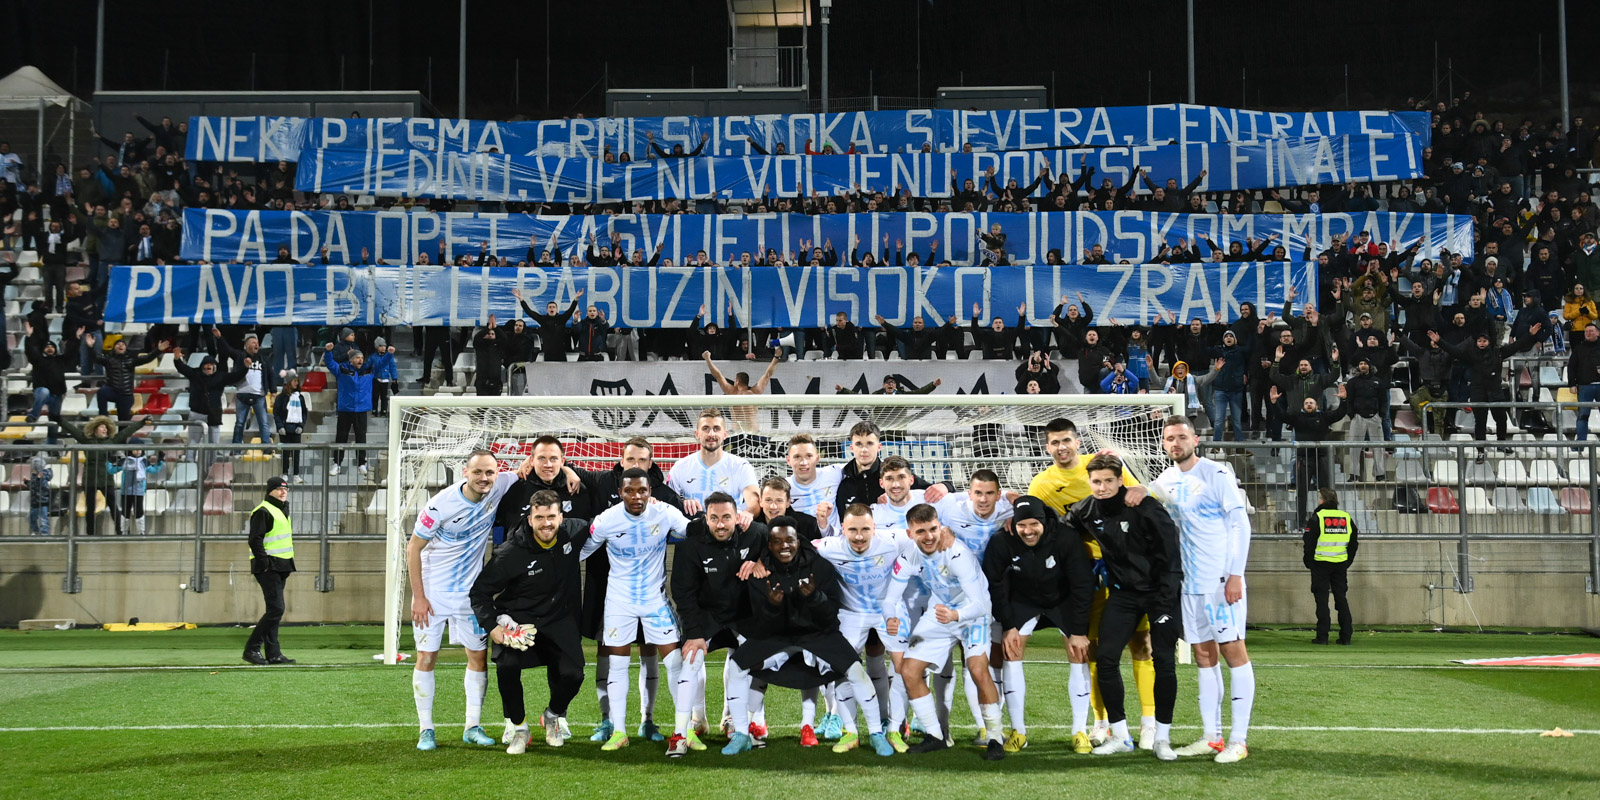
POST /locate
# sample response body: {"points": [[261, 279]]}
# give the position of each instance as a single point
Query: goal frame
{"points": [[396, 531]]}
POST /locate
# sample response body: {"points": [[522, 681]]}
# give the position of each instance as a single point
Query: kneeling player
{"points": [[527, 598], [792, 631], [1144, 571], [957, 613], [709, 597], [1039, 577]]}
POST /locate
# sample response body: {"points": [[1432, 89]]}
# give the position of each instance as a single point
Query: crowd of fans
{"points": [[1440, 328]]}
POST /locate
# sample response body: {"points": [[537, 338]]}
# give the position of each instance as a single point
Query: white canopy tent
{"points": [[35, 109]]}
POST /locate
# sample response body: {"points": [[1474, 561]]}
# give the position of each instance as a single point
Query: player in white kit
{"points": [[1214, 531], [445, 555], [865, 561], [635, 535], [713, 469], [957, 613], [974, 516], [812, 487], [896, 480]]}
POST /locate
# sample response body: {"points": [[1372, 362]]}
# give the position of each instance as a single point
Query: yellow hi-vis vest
{"points": [[279, 542], [1333, 538]]}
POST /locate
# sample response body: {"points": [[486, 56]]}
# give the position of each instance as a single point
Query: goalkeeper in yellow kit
{"points": [[1064, 482], [527, 598]]}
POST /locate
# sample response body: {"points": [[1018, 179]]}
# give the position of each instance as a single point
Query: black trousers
{"points": [[290, 434], [488, 385], [1117, 623], [347, 423], [1325, 578], [265, 636], [437, 340], [558, 649]]}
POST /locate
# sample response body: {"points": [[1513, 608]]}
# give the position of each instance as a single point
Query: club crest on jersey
{"points": [[944, 571], [566, 549], [1050, 563], [722, 481], [655, 529], [1124, 526], [744, 551], [877, 561]]}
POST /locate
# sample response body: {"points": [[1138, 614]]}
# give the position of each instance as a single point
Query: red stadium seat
{"points": [[149, 386], [158, 404], [220, 474], [1575, 500], [219, 501], [18, 478], [1443, 501], [315, 381]]}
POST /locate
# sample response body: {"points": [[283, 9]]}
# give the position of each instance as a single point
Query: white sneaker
{"points": [[363, 470], [1164, 750], [552, 730], [566, 730], [1147, 737], [1202, 747], [299, 480], [1100, 733], [519, 742], [1114, 746], [333, 470], [1235, 751]]}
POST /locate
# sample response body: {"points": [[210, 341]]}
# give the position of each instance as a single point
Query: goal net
{"points": [[946, 438]]}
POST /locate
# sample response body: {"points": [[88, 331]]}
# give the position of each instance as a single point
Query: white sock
{"points": [[649, 682], [944, 693], [859, 691], [1243, 691], [997, 675], [991, 719], [1078, 691], [618, 691], [758, 702], [808, 707], [422, 692], [684, 692], [736, 691], [727, 666], [477, 684], [878, 673], [830, 699], [1164, 732], [925, 711], [845, 698], [1016, 696], [699, 710], [969, 687], [602, 683], [896, 713], [1147, 722], [1119, 730], [1211, 702]]}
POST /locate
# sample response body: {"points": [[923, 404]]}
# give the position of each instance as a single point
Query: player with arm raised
{"points": [[527, 598], [1214, 526], [709, 597], [1064, 482], [958, 613], [865, 562], [974, 516], [712, 469], [812, 488], [1039, 577], [1139, 545], [443, 559], [635, 535]]}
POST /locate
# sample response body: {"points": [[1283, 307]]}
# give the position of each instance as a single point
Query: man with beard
{"points": [[711, 469], [527, 598]]}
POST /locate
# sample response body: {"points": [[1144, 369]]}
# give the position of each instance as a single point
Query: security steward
{"points": [[1330, 547], [271, 561]]}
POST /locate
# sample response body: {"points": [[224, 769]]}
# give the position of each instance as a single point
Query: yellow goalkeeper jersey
{"points": [[1059, 487]]}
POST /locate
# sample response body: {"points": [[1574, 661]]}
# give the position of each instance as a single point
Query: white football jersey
{"points": [[637, 550], [957, 514], [693, 480], [822, 489], [951, 578], [458, 533], [889, 516], [1200, 502], [864, 578]]}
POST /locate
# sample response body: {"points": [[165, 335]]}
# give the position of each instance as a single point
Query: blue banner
{"points": [[644, 297], [499, 177], [265, 139], [399, 237]]}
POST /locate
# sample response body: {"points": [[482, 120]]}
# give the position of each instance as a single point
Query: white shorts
{"points": [[450, 609], [932, 641], [856, 627], [1209, 617], [623, 619]]}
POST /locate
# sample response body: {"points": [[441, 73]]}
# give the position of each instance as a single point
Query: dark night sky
{"points": [[1293, 54]]}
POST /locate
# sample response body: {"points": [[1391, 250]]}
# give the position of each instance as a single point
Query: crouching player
{"points": [[1040, 577], [527, 598], [1144, 572]]}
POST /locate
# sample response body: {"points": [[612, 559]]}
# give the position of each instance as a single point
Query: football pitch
{"points": [[177, 714]]}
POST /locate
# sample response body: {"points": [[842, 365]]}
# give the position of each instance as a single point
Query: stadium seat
{"points": [[17, 478], [158, 404], [75, 404], [1481, 474], [1575, 500], [1541, 500], [5, 502], [1512, 473], [1446, 472], [1544, 473], [1442, 501], [220, 475], [184, 474], [1411, 471], [149, 386], [16, 431], [184, 501], [1578, 471], [218, 502], [1405, 420], [180, 405], [1407, 501], [315, 381], [1508, 500], [17, 503], [156, 501], [1478, 501], [380, 502]]}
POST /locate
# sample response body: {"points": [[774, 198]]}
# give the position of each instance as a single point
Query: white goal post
{"points": [[946, 437]]}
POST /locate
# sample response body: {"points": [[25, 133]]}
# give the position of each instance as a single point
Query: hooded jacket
{"points": [[50, 372], [1052, 577], [206, 391]]}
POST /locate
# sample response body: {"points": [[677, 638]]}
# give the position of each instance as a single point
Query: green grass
{"points": [[1299, 687]]}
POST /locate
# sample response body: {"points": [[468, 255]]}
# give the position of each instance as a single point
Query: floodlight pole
{"points": [[461, 78]]}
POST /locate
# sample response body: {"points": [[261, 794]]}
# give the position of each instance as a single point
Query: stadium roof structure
{"points": [[27, 87]]}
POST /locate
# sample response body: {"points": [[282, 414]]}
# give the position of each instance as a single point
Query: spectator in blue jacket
{"points": [[355, 401], [1227, 387], [1120, 381], [385, 375]]}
